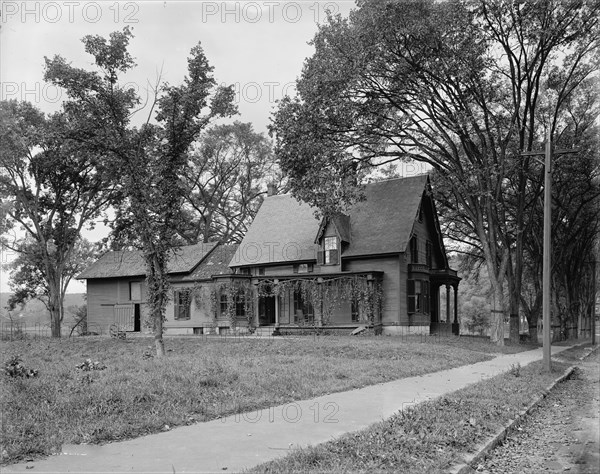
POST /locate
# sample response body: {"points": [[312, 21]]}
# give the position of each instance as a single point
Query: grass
{"points": [[430, 437], [201, 379]]}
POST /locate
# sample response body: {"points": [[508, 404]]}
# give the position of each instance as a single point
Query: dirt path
{"points": [[562, 435]]}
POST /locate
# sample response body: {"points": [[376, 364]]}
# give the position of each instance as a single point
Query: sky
{"points": [[258, 46]]}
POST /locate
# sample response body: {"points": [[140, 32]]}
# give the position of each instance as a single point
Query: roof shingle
{"points": [[217, 263], [128, 263], [284, 230]]}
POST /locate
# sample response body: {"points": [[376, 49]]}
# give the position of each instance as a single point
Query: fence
{"points": [[15, 330]]}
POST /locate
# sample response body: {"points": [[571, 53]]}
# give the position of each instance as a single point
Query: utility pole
{"points": [[547, 242]]}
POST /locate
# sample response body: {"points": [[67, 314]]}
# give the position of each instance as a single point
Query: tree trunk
{"points": [[157, 288], [497, 318], [534, 316], [54, 307]]}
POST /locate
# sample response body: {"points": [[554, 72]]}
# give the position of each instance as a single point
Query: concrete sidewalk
{"points": [[242, 441]]}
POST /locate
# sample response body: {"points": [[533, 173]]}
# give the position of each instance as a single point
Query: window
{"points": [[303, 310], [244, 271], [330, 251], [182, 300], [261, 270], [418, 296], [240, 307], [355, 311], [223, 304], [414, 250], [135, 291], [429, 254], [303, 268]]}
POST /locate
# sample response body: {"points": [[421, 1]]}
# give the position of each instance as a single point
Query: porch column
{"points": [[455, 326], [276, 330], [320, 315], [447, 303], [434, 325], [256, 305]]}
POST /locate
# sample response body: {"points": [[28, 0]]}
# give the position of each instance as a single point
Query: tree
{"points": [[146, 163], [228, 170], [50, 188], [455, 84], [27, 280]]}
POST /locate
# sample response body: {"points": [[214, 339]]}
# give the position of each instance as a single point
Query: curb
{"points": [[592, 350], [483, 449]]}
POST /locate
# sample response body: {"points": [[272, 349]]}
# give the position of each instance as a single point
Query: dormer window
{"points": [[330, 247]]}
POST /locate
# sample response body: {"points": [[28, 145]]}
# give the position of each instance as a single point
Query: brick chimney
{"points": [[271, 190]]}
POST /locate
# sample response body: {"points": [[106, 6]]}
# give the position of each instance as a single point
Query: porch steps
{"points": [[264, 331]]}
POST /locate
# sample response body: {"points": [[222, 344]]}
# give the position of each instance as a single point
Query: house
{"points": [[383, 264], [117, 296]]}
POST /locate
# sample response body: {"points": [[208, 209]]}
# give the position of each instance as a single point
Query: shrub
{"points": [[14, 368], [475, 315]]}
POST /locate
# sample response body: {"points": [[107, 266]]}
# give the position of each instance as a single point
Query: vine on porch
{"points": [[237, 291], [326, 294], [329, 294]]}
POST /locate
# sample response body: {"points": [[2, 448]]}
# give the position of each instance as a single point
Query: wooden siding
{"points": [[102, 297], [402, 297], [394, 290], [425, 231], [200, 316]]}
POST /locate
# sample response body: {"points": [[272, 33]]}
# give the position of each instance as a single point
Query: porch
{"points": [[444, 321], [343, 300]]}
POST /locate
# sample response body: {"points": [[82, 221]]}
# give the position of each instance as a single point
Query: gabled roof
{"points": [[383, 222], [129, 263], [284, 230], [216, 263], [342, 225]]}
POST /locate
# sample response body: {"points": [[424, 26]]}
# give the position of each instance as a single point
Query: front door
{"points": [[266, 310], [137, 318]]}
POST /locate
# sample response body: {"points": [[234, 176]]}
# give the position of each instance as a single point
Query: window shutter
{"points": [[428, 259], [295, 268], [410, 292], [333, 257], [320, 257]]}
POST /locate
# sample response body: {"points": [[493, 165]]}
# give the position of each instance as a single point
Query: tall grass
{"points": [[200, 379]]}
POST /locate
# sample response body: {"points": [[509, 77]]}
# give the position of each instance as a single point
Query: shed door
{"points": [[124, 317]]}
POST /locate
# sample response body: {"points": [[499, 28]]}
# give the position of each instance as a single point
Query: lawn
{"points": [[200, 379]]}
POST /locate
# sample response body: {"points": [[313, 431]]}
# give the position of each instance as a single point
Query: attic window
{"points": [[330, 251], [414, 249], [303, 268], [429, 254]]}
